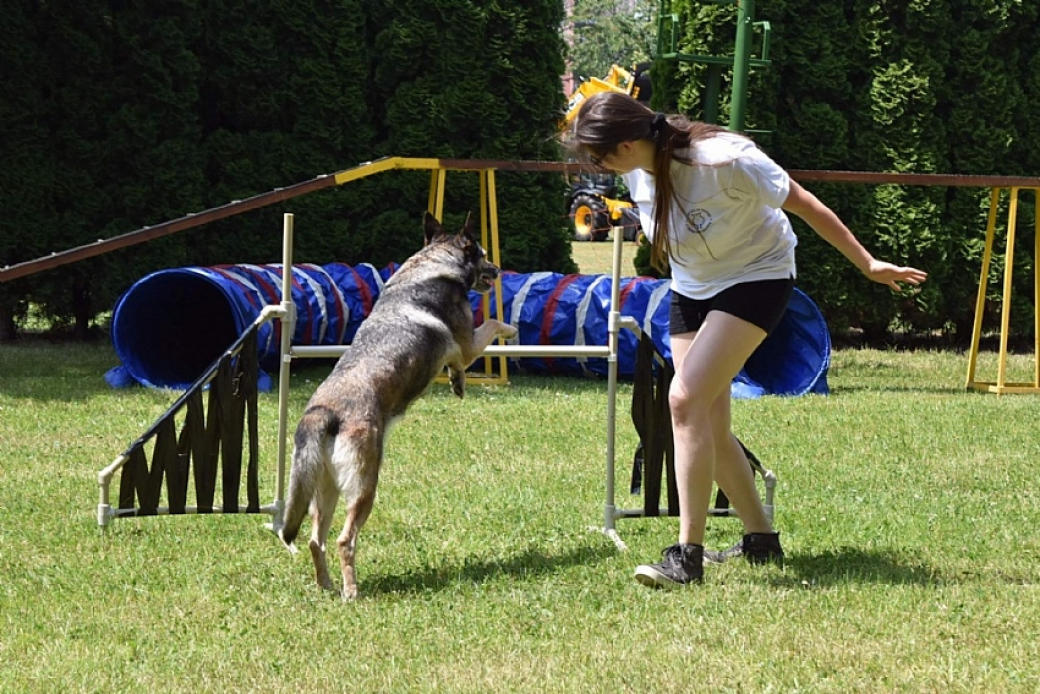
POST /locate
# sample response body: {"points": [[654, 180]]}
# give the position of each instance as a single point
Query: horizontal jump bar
{"points": [[333, 351], [270, 510]]}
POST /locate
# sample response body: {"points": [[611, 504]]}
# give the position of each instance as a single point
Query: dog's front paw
{"points": [[458, 381], [507, 331]]}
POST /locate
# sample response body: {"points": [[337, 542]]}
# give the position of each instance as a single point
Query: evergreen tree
{"points": [[150, 167], [28, 174], [610, 32], [104, 131], [283, 98], [121, 114], [983, 97], [896, 87], [132, 113], [72, 51], [473, 80]]}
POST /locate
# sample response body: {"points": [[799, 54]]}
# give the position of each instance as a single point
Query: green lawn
{"points": [[596, 257], [906, 505]]}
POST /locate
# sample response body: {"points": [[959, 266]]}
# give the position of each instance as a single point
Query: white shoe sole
{"points": [[651, 577]]}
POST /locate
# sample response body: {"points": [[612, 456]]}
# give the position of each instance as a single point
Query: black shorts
{"points": [[761, 303]]}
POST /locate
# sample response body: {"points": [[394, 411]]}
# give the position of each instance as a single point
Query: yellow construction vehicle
{"points": [[594, 202], [597, 208], [635, 83]]}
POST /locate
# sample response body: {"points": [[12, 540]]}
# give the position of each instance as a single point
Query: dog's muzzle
{"points": [[486, 276]]}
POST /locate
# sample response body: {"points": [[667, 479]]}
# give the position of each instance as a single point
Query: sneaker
{"points": [[757, 548], [682, 564]]}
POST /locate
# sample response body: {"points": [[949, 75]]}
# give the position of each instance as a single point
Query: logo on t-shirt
{"points": [[697, 221]]}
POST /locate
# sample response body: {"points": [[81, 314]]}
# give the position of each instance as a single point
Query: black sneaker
{"points": [[757, 548], [682, 564]]}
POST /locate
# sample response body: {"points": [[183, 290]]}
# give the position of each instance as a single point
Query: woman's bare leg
{"points": [[705, 364], [735, 477]]}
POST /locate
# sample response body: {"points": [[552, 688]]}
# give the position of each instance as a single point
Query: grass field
{"points": [[595, 258], [906, 506]]}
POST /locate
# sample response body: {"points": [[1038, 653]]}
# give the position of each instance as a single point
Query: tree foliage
{"points": [[121, 114], [610, 32], [130, 113], [930, 86], [456, 80]]}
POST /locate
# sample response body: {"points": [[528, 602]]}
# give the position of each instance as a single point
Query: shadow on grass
{"points": [[529, 564], [44, 371], [849, 565]]}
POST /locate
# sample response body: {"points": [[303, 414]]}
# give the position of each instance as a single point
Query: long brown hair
{"points": [[609, 118]]}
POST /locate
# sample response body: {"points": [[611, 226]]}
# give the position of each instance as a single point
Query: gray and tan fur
{"points": [[421, 323]]}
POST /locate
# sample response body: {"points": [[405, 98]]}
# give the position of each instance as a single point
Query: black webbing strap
{"points": [[207, 463], [135, 467], [250, 375], [230, 412], [209, 436], [653, 423], [655, 453]]}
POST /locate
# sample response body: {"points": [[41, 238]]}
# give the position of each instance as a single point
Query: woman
{"points": [[713, 206]]}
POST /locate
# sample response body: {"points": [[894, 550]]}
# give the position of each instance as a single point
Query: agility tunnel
{"points": [[172, 324]]}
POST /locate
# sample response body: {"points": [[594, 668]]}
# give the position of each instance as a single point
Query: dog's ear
{"points": [[469, 230], [432, 229]]}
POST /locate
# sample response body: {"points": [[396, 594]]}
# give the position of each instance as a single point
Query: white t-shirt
{"points": [[726, 226]]}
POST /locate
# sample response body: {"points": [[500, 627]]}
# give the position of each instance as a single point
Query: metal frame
{"points": [[741, 62], [1001, 385], [489, 237]]}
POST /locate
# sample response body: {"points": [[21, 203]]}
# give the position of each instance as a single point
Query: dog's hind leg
{"points": [[323, 507], [356, 460], [357, 513]]}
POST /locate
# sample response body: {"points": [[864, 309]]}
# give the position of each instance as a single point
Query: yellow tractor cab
{"points": [[597, 207]]}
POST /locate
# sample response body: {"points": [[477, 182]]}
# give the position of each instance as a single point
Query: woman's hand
{"points": [[825, 222], [887, 273]]}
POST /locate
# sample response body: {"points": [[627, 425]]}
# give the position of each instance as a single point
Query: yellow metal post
{"points": [[435, 202], [1036, 286], [1005, 304], [1001, 385], [980, 302], [489, 240]]}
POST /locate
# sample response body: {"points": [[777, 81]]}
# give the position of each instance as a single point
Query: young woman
{"points": [[713, 206]]}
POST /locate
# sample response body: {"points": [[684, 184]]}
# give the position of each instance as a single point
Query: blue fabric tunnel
{"points": [[553, 309], [171, 325]]}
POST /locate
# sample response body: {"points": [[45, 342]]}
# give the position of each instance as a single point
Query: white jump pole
{"points": [[288, 320], [613, 328]]}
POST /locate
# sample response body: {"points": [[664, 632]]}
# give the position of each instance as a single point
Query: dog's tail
{"points": [[307, 461]]}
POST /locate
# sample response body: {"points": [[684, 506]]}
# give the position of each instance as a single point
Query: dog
{"points": [[421, 323]]}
